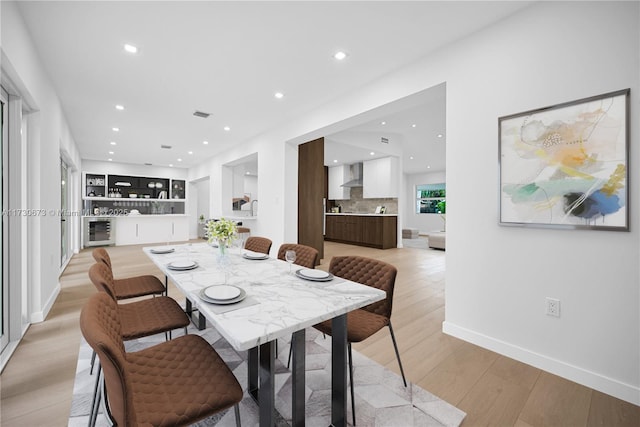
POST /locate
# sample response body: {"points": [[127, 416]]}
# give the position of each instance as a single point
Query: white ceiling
{"points": [[228, 59]]}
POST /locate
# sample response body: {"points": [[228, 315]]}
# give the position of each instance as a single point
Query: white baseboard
{"points": [[39, 316], [610, 386]]}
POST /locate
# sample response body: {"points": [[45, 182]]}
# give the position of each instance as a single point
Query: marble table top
{"points": [[285, 302]]}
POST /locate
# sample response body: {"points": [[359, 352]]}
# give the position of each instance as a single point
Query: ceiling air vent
{"points": [[166, 147], [384, 140], [201, 114], [148, 164]]}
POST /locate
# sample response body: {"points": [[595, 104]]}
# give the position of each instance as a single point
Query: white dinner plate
{"points": [[182, 265], [315, 275], [162, 250], [205, 298], [222, 292], [254, 255]]}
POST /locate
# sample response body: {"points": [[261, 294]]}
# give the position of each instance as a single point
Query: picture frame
{"points": [[566, 166]]}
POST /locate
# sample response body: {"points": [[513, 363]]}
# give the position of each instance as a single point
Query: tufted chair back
{"points": [[101, 255], [100, 326], [370, 272], [306, 256], [102, 279], [258, 244]]}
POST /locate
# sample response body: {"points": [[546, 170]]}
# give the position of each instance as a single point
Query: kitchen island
{"points": [[371, 230]]}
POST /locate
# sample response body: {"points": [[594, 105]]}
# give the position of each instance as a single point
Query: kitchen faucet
{"points": [[252, 212]]}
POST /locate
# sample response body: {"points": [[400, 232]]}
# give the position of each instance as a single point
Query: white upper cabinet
{"points": [[338, 175], [380, 178]]}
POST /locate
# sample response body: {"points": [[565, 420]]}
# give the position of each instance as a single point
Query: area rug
{"points": [[381, 398]]}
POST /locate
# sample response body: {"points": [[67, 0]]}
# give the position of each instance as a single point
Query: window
{"points": [[431, 198]]}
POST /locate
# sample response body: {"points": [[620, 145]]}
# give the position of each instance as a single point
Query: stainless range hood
{"points": [[356, 176]]}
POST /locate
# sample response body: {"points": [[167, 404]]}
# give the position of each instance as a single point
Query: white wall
{"points": [[423, 222], [497, 278], [48, 137], [270, 150]]}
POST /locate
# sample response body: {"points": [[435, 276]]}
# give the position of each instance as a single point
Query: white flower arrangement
{"points": [[222, 230]]}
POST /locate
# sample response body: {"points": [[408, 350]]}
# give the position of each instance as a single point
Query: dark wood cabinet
{"points": [[364, 230]]}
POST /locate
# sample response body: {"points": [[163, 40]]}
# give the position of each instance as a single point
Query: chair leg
{"points": [[353, 400], [290, 352], [97, 395], [236, 409], [395, 346], [93, 361]]}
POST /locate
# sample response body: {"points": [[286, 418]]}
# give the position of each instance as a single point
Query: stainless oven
{"points": [[98, 231]]}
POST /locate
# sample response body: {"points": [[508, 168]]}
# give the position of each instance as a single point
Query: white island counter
{"points": [[143, 229]]}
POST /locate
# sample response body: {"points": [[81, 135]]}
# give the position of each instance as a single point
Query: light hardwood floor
{"points": [[37, 384]]}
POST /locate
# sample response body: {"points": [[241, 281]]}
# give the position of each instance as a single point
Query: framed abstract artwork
{"points": [[566, 166]]}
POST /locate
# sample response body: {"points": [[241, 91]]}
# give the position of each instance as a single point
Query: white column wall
{"points": [[48, 136]]}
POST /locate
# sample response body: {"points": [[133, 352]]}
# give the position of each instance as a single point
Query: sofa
{"points": [[437, 240]]}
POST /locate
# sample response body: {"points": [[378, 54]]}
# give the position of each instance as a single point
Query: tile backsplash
{"points": [[357, 204]]}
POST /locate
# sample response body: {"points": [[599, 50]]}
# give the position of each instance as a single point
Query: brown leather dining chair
{"points": [[258, 244], [364, 322], [174, 383], [130, 287], [306, 256], [138, 319]]}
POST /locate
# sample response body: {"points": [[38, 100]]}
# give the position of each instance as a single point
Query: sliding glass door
{"points": [[4, 235], [64, 207]]}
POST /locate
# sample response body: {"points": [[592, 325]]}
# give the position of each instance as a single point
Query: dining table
{"points": [[253, 299]]}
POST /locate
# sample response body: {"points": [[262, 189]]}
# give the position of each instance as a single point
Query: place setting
{"points": [[183, 265], [314, 275], [160, 250], [223, 298], [255, 256]]}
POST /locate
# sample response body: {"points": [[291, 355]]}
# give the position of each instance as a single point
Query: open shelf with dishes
{"points": [[95, 185], [133, 187], [105, 194]]}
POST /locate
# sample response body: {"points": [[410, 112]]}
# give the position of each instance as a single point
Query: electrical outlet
{"points": [[553, 307]]}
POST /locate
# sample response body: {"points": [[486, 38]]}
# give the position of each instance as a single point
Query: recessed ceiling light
{"points": [[179, 160], [247, 173], [411, 158], [428, 167], [120, 107], [340, 55], [205, 142], [279, 95], [130, 48], [110, 152], [413, 125], [190, 152], [383, 123], [113, 143], [372, 153], [227, 128], [111, 160], [116, 129], [170, 165], [439, 135], [335, 161]]}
